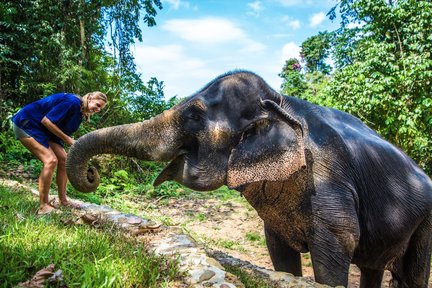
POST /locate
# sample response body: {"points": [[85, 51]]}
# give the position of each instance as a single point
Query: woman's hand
{"points": [[70, 141], [56, 131]]}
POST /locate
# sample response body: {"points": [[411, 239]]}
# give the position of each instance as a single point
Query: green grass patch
{"points": [[255, 238], [223, 194], [87, 256], [141, 197], [201, 217], [250, 281]]}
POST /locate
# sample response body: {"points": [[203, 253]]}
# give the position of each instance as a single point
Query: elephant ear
{"points": [[270, 149]]}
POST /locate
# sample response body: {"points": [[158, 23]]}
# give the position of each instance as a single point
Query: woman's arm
{"points": [[57, 131]]}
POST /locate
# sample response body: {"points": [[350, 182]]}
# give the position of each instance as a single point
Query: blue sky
{"points": [[195, 41]]}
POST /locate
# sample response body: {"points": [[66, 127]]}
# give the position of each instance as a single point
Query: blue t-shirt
{"points": [[63, 109]]}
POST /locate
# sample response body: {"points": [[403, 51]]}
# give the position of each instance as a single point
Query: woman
{"points": [[44, 126]]}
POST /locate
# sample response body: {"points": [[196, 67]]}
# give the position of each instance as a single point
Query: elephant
{"points": [[321, 180]]}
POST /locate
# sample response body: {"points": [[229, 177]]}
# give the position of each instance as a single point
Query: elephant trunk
{"points": [[154, 139]]}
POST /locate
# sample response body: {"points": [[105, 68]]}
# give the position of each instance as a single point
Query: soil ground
{"points": [[232, 227]]}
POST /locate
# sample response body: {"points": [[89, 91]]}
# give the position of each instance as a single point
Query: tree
{"points": [[307, 83], [122, 21], [49, 46], [386, 77], [150, 102], [315, 51], [293, 80]]}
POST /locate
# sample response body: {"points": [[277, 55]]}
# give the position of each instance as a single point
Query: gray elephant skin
{"points": [[321, 180]]}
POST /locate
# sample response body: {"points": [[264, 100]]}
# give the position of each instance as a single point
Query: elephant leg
{"points": [[283, 257], [330, 259], [371, 278], [417, 258], [330, 267]]}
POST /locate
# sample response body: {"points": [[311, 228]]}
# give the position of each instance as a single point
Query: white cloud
{"points": [[290, 50], [208, 31], [253, 47], [317, 19], [294, 24], [211, 46], [212, 31], [174, 66], [280, 35], [185, 70], [176, 4], [289, 3], [255, 7]]}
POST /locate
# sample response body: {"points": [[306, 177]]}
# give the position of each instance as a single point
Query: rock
{"points": [[214, 263], [134, 220], [206, 275]]}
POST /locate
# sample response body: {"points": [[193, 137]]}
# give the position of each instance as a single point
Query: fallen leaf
{"points": [[92, 219], [38, 280]]}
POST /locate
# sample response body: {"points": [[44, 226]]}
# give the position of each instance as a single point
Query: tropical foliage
{"points": [[75, 46], [383, 70]]}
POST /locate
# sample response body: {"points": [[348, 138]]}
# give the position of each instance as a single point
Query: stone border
{"points": [[201, 269]]}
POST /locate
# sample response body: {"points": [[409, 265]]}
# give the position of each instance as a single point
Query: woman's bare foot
{"points": [[56, 203], [69, 204], [46, 209]]}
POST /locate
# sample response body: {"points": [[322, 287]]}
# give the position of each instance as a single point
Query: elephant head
{"points": [[232, 132]]}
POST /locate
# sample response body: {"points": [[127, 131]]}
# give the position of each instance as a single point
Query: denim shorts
{"points": [[20, 133]]}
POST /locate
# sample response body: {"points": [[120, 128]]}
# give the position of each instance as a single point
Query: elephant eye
{"points": [[195, 117], [194, 120], [195, 114], [255, 128]]}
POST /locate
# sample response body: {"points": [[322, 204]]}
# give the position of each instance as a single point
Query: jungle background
{"points": [[380, 71]]}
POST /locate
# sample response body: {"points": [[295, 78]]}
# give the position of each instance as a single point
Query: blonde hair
{"points": [[94, 95]]}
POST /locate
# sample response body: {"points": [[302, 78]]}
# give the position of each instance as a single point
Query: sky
{"points": [[196, 41]]}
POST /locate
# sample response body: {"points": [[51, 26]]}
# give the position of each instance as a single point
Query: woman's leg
{"points": [[49, 160], [61, 177]]}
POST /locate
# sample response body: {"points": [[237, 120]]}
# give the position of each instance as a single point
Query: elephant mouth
{"points": [[183, 170], [171, 171]]}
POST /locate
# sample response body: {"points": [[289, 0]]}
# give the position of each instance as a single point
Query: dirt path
{"points": [[231, 227]]}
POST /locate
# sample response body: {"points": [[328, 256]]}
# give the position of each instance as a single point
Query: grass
{"points": [[88, 257], [130, 199], [250, 281], [217, 242], [255, 238]]}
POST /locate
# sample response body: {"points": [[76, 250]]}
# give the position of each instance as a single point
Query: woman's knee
{"points": [[59, 152], [50, 162], [61, 162]]}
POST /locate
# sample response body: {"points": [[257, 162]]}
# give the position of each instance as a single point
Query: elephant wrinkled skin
{"points": [[321, 180]]}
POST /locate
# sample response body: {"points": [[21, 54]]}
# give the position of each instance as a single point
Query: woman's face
{"points": [[95, 105]]}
